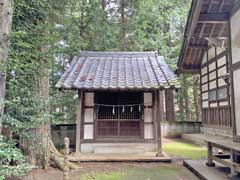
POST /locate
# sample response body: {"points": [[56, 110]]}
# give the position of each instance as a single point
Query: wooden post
{"points": [[161, 101], [66, 167], [210, 155], [232, 169], [158, 118], [78, 121]]}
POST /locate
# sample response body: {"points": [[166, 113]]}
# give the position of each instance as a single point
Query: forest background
{"points": [[40, 42]]}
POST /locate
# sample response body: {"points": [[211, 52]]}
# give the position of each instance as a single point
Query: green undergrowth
{"points": [[104, 176], [184, 150]]}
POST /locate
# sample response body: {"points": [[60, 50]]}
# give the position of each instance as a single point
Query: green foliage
{"points": [[47, 34], [12, 161]]}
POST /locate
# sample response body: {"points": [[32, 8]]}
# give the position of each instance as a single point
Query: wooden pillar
{"points": [[78, 121], [158, 118], [210, 155], [161, 101], [233, 173]]}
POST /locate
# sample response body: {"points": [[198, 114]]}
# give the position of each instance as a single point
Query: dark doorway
{"points": [[119, 114]]}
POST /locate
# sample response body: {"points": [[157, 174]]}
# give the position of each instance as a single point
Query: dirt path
{"points": [[176, 170]]}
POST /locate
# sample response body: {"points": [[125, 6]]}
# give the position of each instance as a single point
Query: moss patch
{"points": [[165, 172], [104, 176], [184, 150]]}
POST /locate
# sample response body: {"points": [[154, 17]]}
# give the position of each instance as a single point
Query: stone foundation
{"points": [[216, 131], [118, 148]]}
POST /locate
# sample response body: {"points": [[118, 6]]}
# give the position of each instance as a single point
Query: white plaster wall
{"points": [[204, 70], [235, 45], [222, 71], [148, 127], [148, 99], [204, 79], [213, 84], [212, 75], [148, 131], [205, 104], [89, 99], [148, 115], [205, 87], [221, 82], [211, 53], [212, 66], [235, 37], [220, 50], [88, 115], [222, 61], [236, 80], [213, 105], [204, 58], [88, 131], [223, 103], [205, 95]]}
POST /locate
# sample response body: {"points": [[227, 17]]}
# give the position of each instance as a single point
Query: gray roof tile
{"points": [[117, 70]]}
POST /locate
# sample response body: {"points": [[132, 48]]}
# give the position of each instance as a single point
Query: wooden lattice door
{"points": [[119, 114]]}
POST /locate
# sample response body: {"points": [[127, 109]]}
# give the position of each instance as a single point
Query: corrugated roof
{"points": [[117, 71]]}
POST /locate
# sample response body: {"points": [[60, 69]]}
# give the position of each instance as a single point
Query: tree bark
{"points": [[44, 128], [49, 151], [103, 3], [123, 26], [170, 109], [5, 30], [196, 97], [186, 98]]}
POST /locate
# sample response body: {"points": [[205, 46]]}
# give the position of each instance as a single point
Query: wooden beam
{"points": [[213, 18], [192, 23], [191, 67], [78, 121], [196, 46]]}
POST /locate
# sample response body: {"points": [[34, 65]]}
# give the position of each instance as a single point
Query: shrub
{"points": [[12, 161]]}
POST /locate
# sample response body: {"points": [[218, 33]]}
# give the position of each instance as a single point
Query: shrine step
{"points": [[118, 149]]}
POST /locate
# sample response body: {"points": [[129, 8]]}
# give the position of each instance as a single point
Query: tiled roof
{"points": [[116, 71]]}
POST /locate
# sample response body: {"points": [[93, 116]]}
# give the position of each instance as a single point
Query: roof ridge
{"points": [[117, 53]]}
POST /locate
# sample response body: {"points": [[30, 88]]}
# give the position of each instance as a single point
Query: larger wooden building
{"points": [[119, 100], [211, 48]]}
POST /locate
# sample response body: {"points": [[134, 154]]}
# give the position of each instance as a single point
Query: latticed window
{"points": [[119, 114]]}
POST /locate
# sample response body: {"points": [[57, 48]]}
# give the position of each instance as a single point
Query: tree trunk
{"points": [[44, 128], [170, 109], [103, 3], [49, 152], [196, 97], [5, 30], [180, 97], [123, 26], [186, 98]]}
